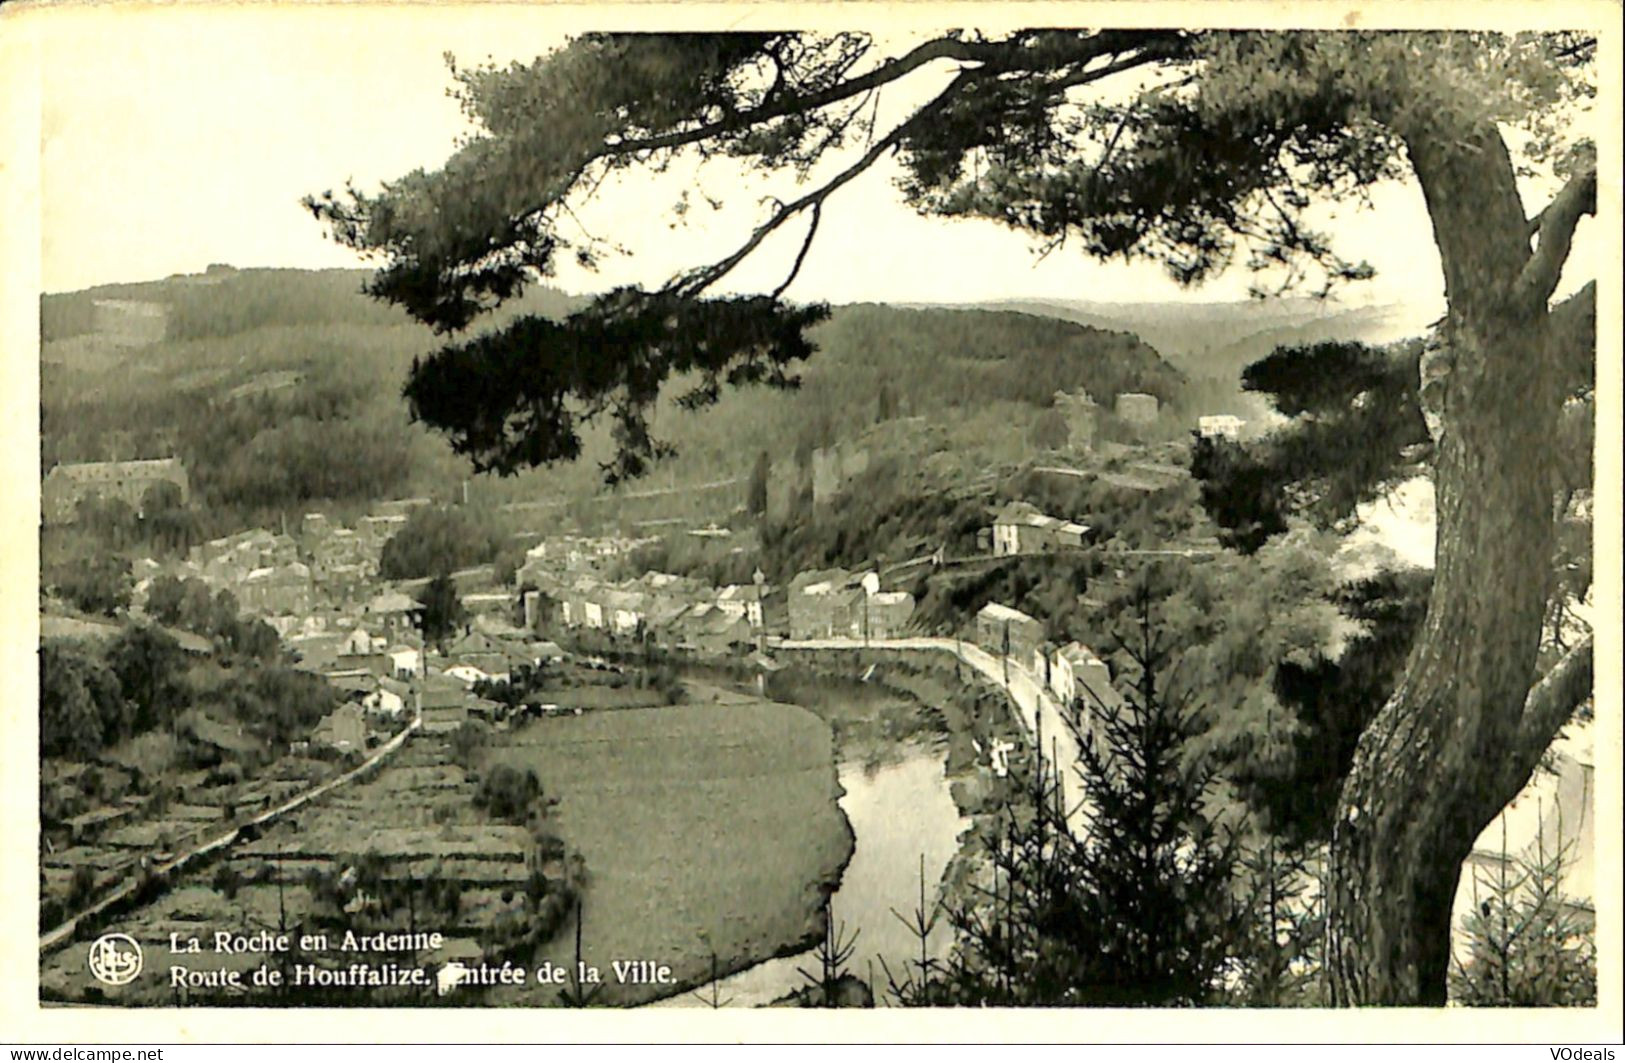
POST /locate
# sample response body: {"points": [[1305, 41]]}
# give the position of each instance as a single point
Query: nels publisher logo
{"points": [[115, 959]]}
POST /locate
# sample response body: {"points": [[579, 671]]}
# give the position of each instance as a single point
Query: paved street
{"points": [[1036, 708]]}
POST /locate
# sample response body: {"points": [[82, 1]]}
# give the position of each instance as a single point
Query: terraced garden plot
{"points": [[702, 827], [417, 814]]}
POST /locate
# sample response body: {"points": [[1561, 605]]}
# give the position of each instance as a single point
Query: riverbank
{"points": [[914, 737], [978, 716]]}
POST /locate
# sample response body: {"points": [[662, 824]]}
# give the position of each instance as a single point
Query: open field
{"points": [[703, 827]]}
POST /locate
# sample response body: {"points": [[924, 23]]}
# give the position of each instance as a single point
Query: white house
{"points": [[389, 699], [1007, 530], [467, 673], [1021, 528], [357, 641], [1075, 672], [740, 599], [405, 661], [1220, 425]]}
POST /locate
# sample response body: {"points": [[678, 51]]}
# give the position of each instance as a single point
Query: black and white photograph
{"points": [[865, 507]]}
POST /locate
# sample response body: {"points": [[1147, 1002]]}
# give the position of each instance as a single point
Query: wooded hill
{"points": [[1212, 342], [281, 389]]}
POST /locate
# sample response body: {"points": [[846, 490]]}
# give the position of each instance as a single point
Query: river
{"points": [[901, 811]]}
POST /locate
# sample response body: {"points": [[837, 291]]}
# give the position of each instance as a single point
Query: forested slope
{"points": [[281, 389]]}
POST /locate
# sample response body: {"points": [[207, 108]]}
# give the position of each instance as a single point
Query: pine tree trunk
{"points": [[1445, 754], [1431, 771]]}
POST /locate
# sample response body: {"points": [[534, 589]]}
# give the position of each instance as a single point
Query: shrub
{"points": [[465, 742], [226, 881], [81, 886], [507, 792]]}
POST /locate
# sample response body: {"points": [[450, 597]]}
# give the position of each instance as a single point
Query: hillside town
{"points": [[569, 606], [318, 587], [280, 730]]}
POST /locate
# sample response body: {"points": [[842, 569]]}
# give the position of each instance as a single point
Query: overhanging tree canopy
{"points": [[1214, 163], [460, 240]]}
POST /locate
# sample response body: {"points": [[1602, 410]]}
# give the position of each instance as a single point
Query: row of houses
{"points": [[282, 590], [443, 703], [835, 603], [673, 611], [1070, 672], [688, 615], [384, 684], [575, 554], [251, 549], [271, 576]]}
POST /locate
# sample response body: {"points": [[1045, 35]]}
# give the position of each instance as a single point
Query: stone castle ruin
{"points": [[1080, 412], [65, 486]]}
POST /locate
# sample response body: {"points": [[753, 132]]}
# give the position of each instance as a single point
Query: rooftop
{"points": [[392, 602], [1003, 613], [1078, 653]]}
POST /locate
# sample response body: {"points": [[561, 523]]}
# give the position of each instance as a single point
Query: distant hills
{"points": [[281, 389], [1212, 342], [1221, 339]]}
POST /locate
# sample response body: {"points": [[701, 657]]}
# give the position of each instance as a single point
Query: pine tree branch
{"points": [[993, 57], [1152, 51], [801, 256], [1554, 229], [1572, 333], [1550, 704], [694, 283]]}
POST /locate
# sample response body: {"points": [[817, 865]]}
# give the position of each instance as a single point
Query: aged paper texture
{"points": [[831, 704]]}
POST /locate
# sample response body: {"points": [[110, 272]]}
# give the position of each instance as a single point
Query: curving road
{"points": [[1036, 709]]}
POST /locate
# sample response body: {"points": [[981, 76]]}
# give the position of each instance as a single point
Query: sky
{"points": [[177, 137]]}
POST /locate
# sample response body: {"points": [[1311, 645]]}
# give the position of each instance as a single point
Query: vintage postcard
{"points": [[1063, 522]]}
